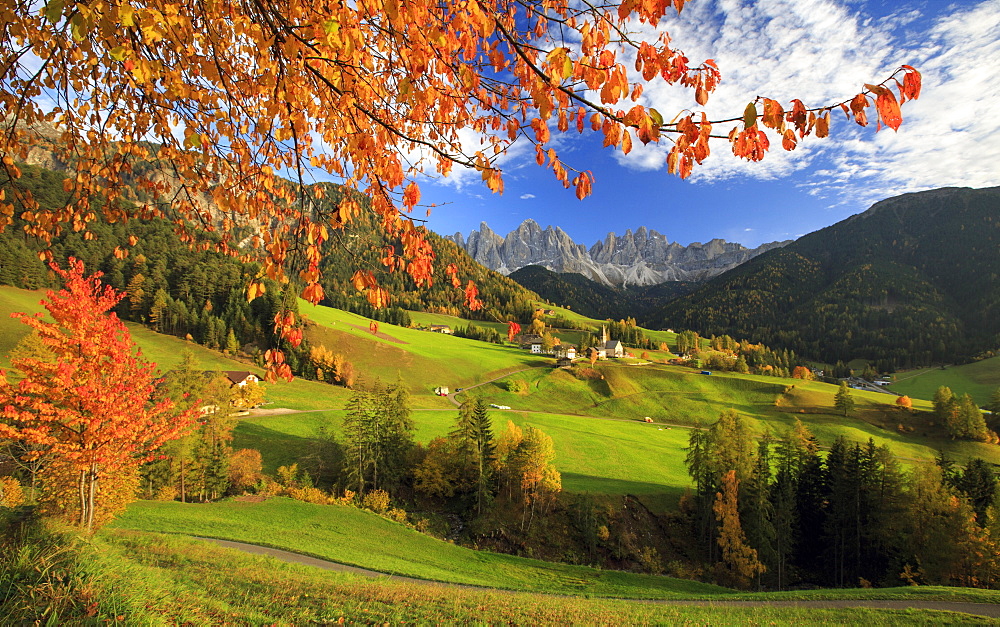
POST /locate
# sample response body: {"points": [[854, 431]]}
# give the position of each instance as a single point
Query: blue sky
{"points": [[821, 51]]}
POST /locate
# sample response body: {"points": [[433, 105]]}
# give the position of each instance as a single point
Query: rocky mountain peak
{"points": [[640, 257]]}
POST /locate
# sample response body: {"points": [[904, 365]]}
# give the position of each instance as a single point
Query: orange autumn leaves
{"points": [[91, 409], [239, 101], [751, 142]]}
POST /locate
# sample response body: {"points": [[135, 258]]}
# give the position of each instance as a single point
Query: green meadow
{"points": [[360, 538], [979, 379], [124, 577], [602, 445], [423, 360]]}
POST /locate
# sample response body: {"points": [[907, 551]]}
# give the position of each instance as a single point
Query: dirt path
{"points": [[978, 609]]}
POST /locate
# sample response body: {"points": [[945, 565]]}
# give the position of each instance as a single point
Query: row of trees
{"points": [[471, 470], [775, 513], [961, 416]]}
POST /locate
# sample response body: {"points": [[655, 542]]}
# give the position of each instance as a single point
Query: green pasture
{"points": [[423, 359], [979, 379], [602, 444], [360, 538], [11, 330], [163, 350], [143, 578]]}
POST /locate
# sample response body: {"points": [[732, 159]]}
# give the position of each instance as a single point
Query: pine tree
{"points": [[843, 400], [485, 451]]}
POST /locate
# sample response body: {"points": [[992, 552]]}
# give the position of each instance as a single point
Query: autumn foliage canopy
{"points": [[89, 410], [241, 103]]}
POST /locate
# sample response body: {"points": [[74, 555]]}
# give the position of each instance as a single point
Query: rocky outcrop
{"points": [[643, 257]]}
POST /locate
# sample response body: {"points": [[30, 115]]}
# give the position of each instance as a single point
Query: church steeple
{"points": [[604, 335]]}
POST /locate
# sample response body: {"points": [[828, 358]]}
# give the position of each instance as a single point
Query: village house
{"points": [[441, 328], [567, 351], [239, 378]]}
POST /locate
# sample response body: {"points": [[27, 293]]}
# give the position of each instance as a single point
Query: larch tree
{"points": [[224, 99], [739, 560], [90, 408]]}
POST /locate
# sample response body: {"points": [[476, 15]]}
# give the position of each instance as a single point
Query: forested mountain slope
{"points": [[913, 280], [178, 290], [597, 300]]}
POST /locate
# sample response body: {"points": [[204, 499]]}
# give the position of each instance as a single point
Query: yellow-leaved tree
{"points": [[197, 104]]}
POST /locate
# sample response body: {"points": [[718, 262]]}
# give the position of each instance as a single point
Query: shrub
{"points": [[309, 495], [649, 560], [166, 493], [288, 476], [516, 386], [397, 514], [347, 499], [377, 501], [11, 494]]}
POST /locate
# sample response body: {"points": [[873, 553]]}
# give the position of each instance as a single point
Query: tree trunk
{"points": [[83, 498], [92, 497]]}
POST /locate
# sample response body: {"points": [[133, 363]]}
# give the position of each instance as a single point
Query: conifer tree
{"points": [[739, 560], [843, 400]]}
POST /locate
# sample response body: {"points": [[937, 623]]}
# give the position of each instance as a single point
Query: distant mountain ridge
{"points": [[643, 257]]}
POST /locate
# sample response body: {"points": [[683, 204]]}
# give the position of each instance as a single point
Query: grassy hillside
{"points": [[164, 350], [602, 445], [140, 578], [978, 379], [425, 360], [360, 538]]}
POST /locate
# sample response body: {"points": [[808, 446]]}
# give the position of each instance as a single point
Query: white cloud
{"points": [[747, 230], [527, 196], [821, 51]]}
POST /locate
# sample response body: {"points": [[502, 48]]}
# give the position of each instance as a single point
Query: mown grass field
{"points": [[423, 359], [140, 578], [360, 538], [979, 379]]}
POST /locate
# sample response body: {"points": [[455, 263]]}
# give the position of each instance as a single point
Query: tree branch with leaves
{"points": [[235, 103]]}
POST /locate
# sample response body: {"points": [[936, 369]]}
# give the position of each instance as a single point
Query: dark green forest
{"points": [[914, 280], [597, 300]]}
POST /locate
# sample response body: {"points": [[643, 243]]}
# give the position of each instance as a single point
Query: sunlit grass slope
{"points": [[139, 578], [423, 359], [163, 350], [360, 538], [978, 379], [602, 444]]}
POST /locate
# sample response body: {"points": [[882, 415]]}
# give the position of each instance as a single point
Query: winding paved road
{"points": [[988, 610]]}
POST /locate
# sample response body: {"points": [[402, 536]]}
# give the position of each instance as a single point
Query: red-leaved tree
{"points": [[90, 408]]}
